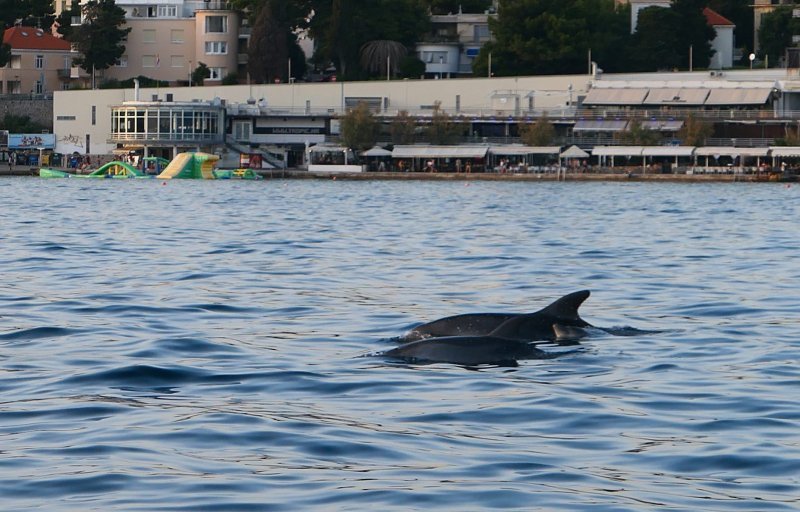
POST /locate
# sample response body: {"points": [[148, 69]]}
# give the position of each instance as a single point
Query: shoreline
{"points": [[300, 174], [550, 177]]}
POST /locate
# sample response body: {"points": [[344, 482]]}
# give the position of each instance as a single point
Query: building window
{"points": [[94, 115], [216, 48], [149, 35], [123, 62], [38, 87], [481, 33], [165, 122], [167, 11], [216, 73], [176, 61], [176, 35], [217, 25], [148, 61], [65, 118], [39, 62], [434, 57]]}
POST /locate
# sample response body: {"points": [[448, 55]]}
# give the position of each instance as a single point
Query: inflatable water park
{"points": [[185, 166]]}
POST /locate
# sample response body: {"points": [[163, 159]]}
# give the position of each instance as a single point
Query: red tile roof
{"points": [[715, 19], [31, 38]]}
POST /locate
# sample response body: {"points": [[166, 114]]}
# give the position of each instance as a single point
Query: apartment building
{"points": [[453, 43], [169, 38], [40, 62]]}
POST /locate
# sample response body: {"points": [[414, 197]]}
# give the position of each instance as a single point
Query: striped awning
{"points": [[615, 96], [662, 126], [518, 150], [667, 150], [738, 96], [600, 125], [439, 151], [617, 150], [676, 96], [730, 151], [784, 151]]}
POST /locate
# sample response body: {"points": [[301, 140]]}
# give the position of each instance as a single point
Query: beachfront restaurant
{"points": [[784, 157], [521, 158], [648, 158], [722, 160], [440, 158]]}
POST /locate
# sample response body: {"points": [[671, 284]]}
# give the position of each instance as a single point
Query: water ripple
{"points": [[169, 359]]}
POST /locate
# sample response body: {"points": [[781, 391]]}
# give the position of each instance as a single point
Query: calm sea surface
{"points": [[200, 346]]}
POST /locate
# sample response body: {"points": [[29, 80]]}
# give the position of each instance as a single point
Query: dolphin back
{"points": [[567, 307], [539, 325], [469, 324]]}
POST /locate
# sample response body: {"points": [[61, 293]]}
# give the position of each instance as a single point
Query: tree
{"points": [[540, 133], [359, 128], [273, 41], [694, 33], [666, 37], [99, 38], [655, 41], [442, 129], [20, 124], [554, 37], [382, 57], [268, 49], [694, 132], [230, 79], [342, 27], [775, 34], [411, 67], [200, 73], [637, 135], [455, 6], [63, 22], [740, 12], [36, 13], [403, 128], [32, 13]]}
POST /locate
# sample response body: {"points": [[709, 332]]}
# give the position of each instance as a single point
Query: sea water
{"points": [[194, 345]]}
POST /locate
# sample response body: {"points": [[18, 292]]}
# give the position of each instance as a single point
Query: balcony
{"points": [[216, 5], [68, 73]]}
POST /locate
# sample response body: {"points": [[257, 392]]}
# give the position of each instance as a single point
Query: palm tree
{"points": [[382, 56]]}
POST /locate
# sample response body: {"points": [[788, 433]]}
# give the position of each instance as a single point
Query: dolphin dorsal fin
{"points": [[567, 306]]}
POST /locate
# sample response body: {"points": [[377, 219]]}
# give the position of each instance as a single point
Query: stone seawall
{"points": [[40, 110]]}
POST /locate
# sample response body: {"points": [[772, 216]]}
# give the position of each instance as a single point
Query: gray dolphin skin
{"points": [[467, 351], [510, 341], [530, 326]]}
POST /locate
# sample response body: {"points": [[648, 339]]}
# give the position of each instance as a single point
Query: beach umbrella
{"points": [[376, 151]]}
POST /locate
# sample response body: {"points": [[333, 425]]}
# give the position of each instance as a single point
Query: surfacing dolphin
{"points": [[533, 326], [503, 346]]}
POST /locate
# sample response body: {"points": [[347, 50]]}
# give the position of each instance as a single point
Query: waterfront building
{"points": [[750, 108], [453, 43], [40, 62], [169, 38]]}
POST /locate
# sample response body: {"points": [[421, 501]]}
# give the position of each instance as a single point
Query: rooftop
{"points": [[31, 38]]}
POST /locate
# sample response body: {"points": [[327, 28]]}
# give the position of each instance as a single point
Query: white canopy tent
{"points": [[781, 152], [434, 154], [604, 152], [376, 151], [716, 152], [520, 157]]}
